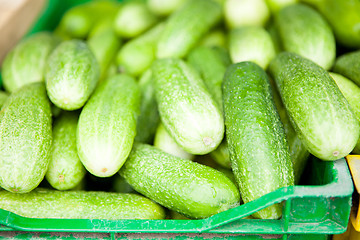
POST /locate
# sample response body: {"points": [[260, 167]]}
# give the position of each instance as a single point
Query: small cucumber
{"points": [[251, 43], [192, 189], [107, 125], [65, 170], [348, 65], [259, 152], [165, 142], [276, 5], [214, 38], [25, 138], [71, 75], [186, 108], [221, 155], [164, 7], [26, 62], [186, 26], [304, 31], [47, 203], [317, 109]]}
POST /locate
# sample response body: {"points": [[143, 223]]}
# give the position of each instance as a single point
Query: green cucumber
{"points": [[176, 183], [186, 26], [214, 38], [348, 65], [221, 155], [148, 118], [304, 31], [107, 125], [71, 75], [317, 109], [65, 170], [165, 142], [26, 62], [259, 152], [276, 5], [25, 138], [47, 203], [164, 7], [186, 108]]}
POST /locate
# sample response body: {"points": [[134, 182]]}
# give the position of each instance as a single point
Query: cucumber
{"points": [[348, 65], [25, 138], [149, 118], [318, 111], [251, 43], [65, 170], [221, 155], [186, 108], [71, 75], [47, 203], [176, 183], [26, 62], [107, 125], [164, 7], [165, 142], [214, 38], [276, 5], [259, 152], [186, 26], [304, 31]]}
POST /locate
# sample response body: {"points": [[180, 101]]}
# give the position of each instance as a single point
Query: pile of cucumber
{"points": [[191, 107]]}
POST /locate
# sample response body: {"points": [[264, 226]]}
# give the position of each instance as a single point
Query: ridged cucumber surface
{"points": [[71, 75], [192, 189], [25, 138], [47, 203], [65, 170], [259, 152], [107, 125], [319, 112], [186, 108], [348, 65]]}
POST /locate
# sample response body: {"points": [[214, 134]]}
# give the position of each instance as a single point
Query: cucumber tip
{"points": [[207, 141], [336, 153], [61, 178]]}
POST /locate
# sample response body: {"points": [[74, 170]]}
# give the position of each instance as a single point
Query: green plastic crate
{"points": [[312, 211]]}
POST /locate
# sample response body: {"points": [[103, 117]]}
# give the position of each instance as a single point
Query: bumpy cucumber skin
{"points": [[304, 31], [71, 75], [25, 138], [47, 203], [349, 66], [107, 125], [186, 108], [65, 170], [192, 189], [259, 152], [317, 109], [26, 62], [186, 26]]}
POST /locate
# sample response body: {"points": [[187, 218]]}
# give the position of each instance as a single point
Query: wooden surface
{"points": [[16, 17]]}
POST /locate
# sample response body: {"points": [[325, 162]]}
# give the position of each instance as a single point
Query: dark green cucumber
{"points": [[348, 65], [192, 189], [65, 170], [71, 75], [25, 138], [47, 203], [107, 125], [187, 109], [317, 109], [259, 152]]}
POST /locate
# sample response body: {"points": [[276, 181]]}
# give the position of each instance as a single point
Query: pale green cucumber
{"points": [[186, 26], [65, 170], [214, 38], [259, 152], [107, 125], [192, 189], [245, 13], [164, 142], [25, 138], [318, 111], [164, 7], [304, 31], [251, 43], [186, 108], [351, 92], [3, 96], [148, 118], [71, 75], [47, 203], [221, 155], [26, 62], [276, 5], [137, 55], [134, 18], [348, 65]]}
